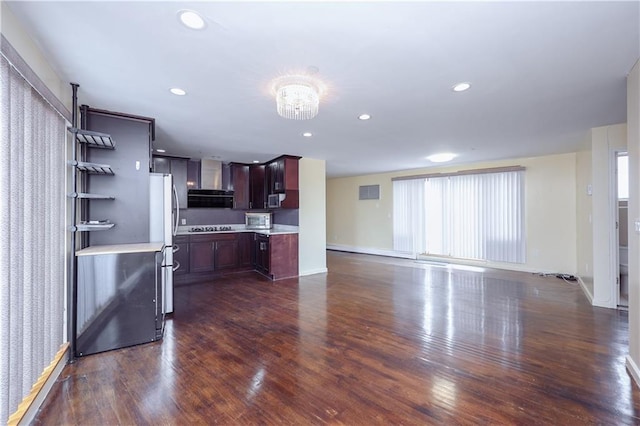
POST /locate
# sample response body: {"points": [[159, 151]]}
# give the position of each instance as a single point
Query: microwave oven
{"points": [[274, 200], [258, 220]]}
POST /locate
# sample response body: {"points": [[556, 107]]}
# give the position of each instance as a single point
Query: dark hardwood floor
{"points": [[374, 341]]}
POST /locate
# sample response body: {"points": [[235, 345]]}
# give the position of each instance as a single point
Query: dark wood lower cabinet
{"points": [[201, 256], [283, 256], [205, 255], [245, 249], [225, 253], [213, 252], [277, 255]]}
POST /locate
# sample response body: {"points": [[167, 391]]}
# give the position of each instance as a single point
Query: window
{"points": [[623, 176], [462, 215]]}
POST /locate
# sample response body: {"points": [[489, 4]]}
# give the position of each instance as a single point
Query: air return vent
{"points": [[370, 192]]}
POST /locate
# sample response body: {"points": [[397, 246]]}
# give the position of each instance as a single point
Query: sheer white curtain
{"points": [[32, 206], [408, 216]]}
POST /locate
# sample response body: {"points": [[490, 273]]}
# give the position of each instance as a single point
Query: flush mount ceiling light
{"points": [[461, 87], [177, 91], [441, 158], [191, 19], [297, 96], [364, 117]]}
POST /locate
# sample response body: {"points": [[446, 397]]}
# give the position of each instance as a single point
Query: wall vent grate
{"points": [[369, 192]]}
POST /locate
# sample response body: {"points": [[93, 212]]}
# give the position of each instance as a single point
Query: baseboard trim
{"points": [[368, 250], [633, 369], [585, 290], [314, 271], [28, 408], [437, 259]]}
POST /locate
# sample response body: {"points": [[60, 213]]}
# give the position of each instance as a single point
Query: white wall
{"points": [[15, 34], [584, 215], [605, 141], [312, 213], [633, 144], [550, 212]]}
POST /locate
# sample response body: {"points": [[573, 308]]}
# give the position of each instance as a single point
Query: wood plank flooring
{"points": [[374, 341]]}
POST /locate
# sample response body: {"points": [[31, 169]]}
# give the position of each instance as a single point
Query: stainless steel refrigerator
{"points": [[164, 216]]}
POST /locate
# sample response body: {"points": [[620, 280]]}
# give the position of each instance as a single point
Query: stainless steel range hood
{"points": [[210, 174]]}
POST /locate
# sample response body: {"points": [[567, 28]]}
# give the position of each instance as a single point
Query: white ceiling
{"points": [[542, 74]]}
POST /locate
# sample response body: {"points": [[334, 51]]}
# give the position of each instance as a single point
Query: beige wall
{"points": [[30, 52], [633, 144], [605, 141], [312, 223], [584, 226], [550, 212]]}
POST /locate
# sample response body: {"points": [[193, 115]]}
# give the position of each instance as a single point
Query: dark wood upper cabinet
{"points": [[177, 167], [282, 174], [257, 186], [193, 174], [240, 182]]}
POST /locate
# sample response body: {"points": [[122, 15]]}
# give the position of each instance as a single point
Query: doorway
{"points": [[622, 204]]}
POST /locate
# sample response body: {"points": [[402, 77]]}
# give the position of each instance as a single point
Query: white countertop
{"points": [[120, 248], [276, 230]]}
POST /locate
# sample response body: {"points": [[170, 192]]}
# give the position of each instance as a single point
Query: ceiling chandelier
{"points": [[297, 97]]}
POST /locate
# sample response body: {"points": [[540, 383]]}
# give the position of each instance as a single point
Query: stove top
{"points": [[209, 228]]}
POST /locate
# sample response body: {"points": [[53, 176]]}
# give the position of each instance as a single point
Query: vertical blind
{"points": [[408, 216], [32, 204], [471, 216]]}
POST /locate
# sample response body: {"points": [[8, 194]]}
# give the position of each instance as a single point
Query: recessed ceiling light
{"points": [[191, 19], [364, 117], [307, 134], [441, 158], [177, 91], [461, 87], [255, 161], [160, 150]]}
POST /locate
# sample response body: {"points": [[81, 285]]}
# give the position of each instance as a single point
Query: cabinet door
{"points": [[278, 179], [179, 172], [257, 187], [193, 174], [240, 178], [181, 255], [226, 254], [245, 249], [201, 256]]}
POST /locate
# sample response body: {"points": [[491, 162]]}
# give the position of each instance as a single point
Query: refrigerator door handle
{"points": [[175, 225]]}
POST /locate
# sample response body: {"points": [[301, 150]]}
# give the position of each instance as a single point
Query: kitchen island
{"points": [[202, 252]]}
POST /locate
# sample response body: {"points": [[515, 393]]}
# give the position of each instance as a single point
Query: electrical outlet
{"points": [[183, 221]]}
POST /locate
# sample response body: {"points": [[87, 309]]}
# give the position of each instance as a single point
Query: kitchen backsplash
{"points": [[229, 216]]}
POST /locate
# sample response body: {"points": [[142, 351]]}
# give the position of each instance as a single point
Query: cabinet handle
{"points": [[250, 204]]}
